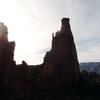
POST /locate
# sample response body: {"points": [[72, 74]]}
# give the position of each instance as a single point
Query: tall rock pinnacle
{"points": [[6, 53], [3, 32], [63, 53], [65, 25]]}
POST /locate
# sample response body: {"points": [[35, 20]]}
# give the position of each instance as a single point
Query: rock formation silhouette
{"points": [[59, 70], [56, 79], [6, 53], [63, 56]]}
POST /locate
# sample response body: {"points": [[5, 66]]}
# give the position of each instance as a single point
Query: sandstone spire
{"points": [[6, 53], [63, 53], [65, 25], [3, 32]]}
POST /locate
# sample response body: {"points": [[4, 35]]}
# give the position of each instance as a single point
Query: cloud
{"points": [[90, 55], [31, 23], [85, 22]]}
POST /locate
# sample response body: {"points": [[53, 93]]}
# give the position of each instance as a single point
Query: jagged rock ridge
{"points": [[59, 71]]}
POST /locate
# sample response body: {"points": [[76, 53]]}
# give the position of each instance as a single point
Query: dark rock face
{"points": [[63, 56], [6, 55], [59, 71]]}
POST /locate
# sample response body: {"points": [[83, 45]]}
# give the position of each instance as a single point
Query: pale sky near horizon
{"points": [[31, 24]]}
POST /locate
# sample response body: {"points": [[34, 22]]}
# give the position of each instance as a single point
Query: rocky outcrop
{"points": [[63, 56], [58, 73], [6, 54]]}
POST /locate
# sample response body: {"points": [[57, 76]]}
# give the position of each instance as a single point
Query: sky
{"points": [[31, 24]]}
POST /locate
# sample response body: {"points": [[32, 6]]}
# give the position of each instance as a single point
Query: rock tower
{"points": [[63, 55], [6, 54]]}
